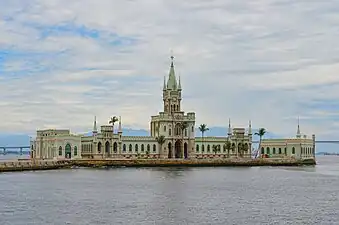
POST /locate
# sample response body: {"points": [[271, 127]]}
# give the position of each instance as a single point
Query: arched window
{"points": [[148, 147], [203, 148], [170, 132], [293, 150], [136, 148], [197, 148], [154, 148], [165, 128], [115, 147], [262, 150], [75, 151], [279, 150], [60, 151], [285, 151], [273, 151], [185, 132], [208, 148], [124, 148], [142, 147], [268, 151], [192, 129], [130, 148], [224, 148]]}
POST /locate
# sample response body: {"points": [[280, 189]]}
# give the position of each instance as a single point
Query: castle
{"points": [[171, 136]]}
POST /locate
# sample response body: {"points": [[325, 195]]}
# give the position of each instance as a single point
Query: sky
{"points": [[269, 61]]}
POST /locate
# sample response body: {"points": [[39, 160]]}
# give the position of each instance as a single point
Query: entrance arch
{"points": [[170, 150], [68, 151], [177, 149], [107, 147], [115, 147], [185, 151], [99, 147]]}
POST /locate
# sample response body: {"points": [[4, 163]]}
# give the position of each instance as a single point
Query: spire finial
{"points": [[172, 58], [179, 85], [164, 88], [229, 127]]}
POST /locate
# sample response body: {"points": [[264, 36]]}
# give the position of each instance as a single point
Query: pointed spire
{"points": [[298, 129], [95, 130], [250, 128], [172, 81], [229, 127], [179, 85], [164, 88], [120, 128]]}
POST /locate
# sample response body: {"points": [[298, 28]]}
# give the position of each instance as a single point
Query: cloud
{"points": [[63, 62]]}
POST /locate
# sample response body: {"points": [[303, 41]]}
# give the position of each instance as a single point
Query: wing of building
{"points": [[172, 135]]}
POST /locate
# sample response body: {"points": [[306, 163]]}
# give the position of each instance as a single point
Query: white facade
{"points": [[56, 144]]}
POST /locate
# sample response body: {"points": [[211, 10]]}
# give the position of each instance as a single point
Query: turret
{"points": [[229, 128], [298, 130], [95, 130], [250, 128]]}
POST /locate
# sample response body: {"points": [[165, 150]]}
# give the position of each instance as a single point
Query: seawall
{"points": [[27, 165], [192, 163]]}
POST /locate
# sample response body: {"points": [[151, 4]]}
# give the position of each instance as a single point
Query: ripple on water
{"points": [[148, 196]]}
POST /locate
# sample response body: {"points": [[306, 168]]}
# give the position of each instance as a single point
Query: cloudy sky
{"points": [[62, 62]]}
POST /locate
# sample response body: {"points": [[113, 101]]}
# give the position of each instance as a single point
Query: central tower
{"points": [[172, 92], [172, 123]]}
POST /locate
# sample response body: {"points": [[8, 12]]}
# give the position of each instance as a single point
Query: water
{"points": [[148, 196]]}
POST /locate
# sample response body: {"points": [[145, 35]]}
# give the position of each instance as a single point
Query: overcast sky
{"points": [[63, 62]]}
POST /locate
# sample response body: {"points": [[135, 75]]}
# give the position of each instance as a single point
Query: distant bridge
{"points": [[7, 149]]}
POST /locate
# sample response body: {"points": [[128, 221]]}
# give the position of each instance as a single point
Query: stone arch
{"points": [[170, 150], [99, 147], [68, 151], [177, 129], [75, 151], [107, 147], [185, 150], [177, 149], [60, 151]]}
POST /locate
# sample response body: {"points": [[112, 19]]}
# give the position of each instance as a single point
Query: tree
{"points": [[112, 121], [183, 127], [261, 132], [203, 128], [215, 149], [228, 147], [161, 140]]}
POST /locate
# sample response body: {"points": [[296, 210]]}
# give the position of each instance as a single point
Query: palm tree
{"points": [[112, 121], [161, 140], [228, 146], [183, 127], [203, 128], [261, 132]]}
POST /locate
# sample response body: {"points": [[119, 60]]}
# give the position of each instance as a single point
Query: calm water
{"points": [[306, 195]]}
